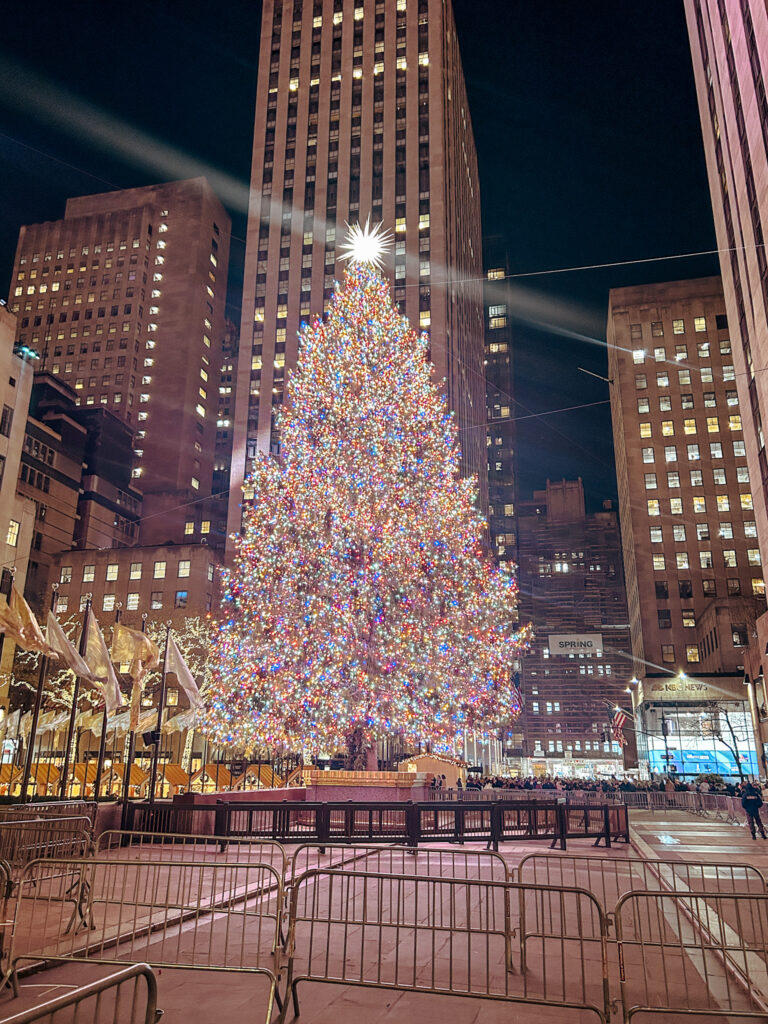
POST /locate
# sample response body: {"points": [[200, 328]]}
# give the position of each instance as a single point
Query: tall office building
{"points": [[693, 568], [572, 589], [123, 299], [729, 45], [361, 110], [500, 435]]}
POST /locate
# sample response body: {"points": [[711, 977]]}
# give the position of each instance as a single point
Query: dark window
{"points": [[662, 590], [6, 421], [685, 588]]}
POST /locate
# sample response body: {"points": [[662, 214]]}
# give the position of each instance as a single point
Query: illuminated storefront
{"points": [[691, 726]]}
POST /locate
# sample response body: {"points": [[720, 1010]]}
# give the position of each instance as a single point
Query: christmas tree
{"points": [[360, 603]]}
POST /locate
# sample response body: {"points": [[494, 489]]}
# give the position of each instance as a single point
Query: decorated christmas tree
{"points": [[361, 603]]}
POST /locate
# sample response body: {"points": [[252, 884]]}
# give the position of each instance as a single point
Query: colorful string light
{"points": [[360, 596]]}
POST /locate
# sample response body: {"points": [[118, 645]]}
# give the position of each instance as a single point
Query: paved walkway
{"points": [[203, 997]]}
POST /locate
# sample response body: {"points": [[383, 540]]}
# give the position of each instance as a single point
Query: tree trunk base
{"points": [[361, 756]]}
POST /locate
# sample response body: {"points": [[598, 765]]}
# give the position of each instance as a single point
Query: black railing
{"points": [[405, 823]]}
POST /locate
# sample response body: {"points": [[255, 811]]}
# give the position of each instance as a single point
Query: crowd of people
{"points": [[748, 791]]}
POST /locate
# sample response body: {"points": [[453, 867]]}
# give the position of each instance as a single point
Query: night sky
{"points": [[588, 142]]}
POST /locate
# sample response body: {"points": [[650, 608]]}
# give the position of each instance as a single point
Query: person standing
{"points": [[752, 801]]}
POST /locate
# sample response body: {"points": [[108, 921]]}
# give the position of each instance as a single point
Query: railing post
{"points": [[496, 825], [413, 823], [561, 819], [220, 821], [323, 823], [607, 820]]}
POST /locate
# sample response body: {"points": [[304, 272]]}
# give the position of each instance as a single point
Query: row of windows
{"points": [[678, 326], [697, 478], [134, 573], [704, 350], [156, 601], [85, 250], [694, 452], [705, 373], [687, 401], [724, 531], [709, 588], [682, 560], [699, 503]]}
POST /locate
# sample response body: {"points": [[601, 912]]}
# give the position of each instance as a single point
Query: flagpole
{"points": [[160, 704], [103, 738], [131, 750], [75, 697], [36, 709]]}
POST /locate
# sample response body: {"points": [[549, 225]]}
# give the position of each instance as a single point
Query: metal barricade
{"points": [[125, 997], [51, 809], [168, 846], [212, 917], [24, 841], [608, 879], [697, 954], [482, 865], [448, 936]]}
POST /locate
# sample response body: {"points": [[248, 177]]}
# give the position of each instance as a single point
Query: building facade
{"points": [[361, 111], [572, 589], [17, 514], [692, 559], [500, 436], [164, 582], [123, 300]]}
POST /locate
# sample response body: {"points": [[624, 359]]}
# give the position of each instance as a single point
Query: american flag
{"points": [[619, 720]]}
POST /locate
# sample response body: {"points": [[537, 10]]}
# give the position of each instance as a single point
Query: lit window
{"points": [[12, 536], [650, 481], [639, 355], [723, 503], [750, 528], [159, 571], [713, 425], [693, 452], [678, 534], [132, 602], [673, 480], [400, 225], [660, 354], [112, 571], [753, 556], [758, 587], [156, 600], [729, 558], [689, 426], [195, 483], [653, 507], [135, 573], [205, 526], [670, 453], [643, 405], [699, 324], [684, 376], [645, 430], [734, 422], [108, 603], [691, 653], [658, 563], [678, 327], [662, 380], [715, 449], [181, 599], [656, 535], [676, 506], [184, 565], [746, 502], [65, 576], [89, 573], [425, 319], [189, 527], [648, 455], [681, 559], [641, 381], [667, 428]]}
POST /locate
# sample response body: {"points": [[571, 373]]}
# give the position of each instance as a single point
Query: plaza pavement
{"points": [[206, 997]]}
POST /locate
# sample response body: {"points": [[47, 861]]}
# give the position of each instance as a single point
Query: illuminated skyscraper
{"points": [[361, 111]]}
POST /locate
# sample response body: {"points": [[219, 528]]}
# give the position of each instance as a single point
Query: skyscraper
{"points": [[693, 568], [729, 46], [123, 299], [361, 111]]}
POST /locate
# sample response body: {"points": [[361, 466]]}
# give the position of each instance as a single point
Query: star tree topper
{"points": [[366, 245]]}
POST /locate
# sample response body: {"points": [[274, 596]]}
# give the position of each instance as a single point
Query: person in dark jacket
{"points": [[751, 801]]}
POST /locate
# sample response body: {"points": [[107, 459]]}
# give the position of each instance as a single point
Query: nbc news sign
{"points": [[575, 643]]}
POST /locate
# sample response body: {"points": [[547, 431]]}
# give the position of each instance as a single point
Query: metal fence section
{"points": [[24, 841], [167, 846], [609, 879], [50, 809], [698, 953], [493, 940], [126, 997], [484, 865], [408, 823], [214, 917]]}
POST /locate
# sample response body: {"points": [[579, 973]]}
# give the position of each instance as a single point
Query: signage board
{"points": [[563, 644]]}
